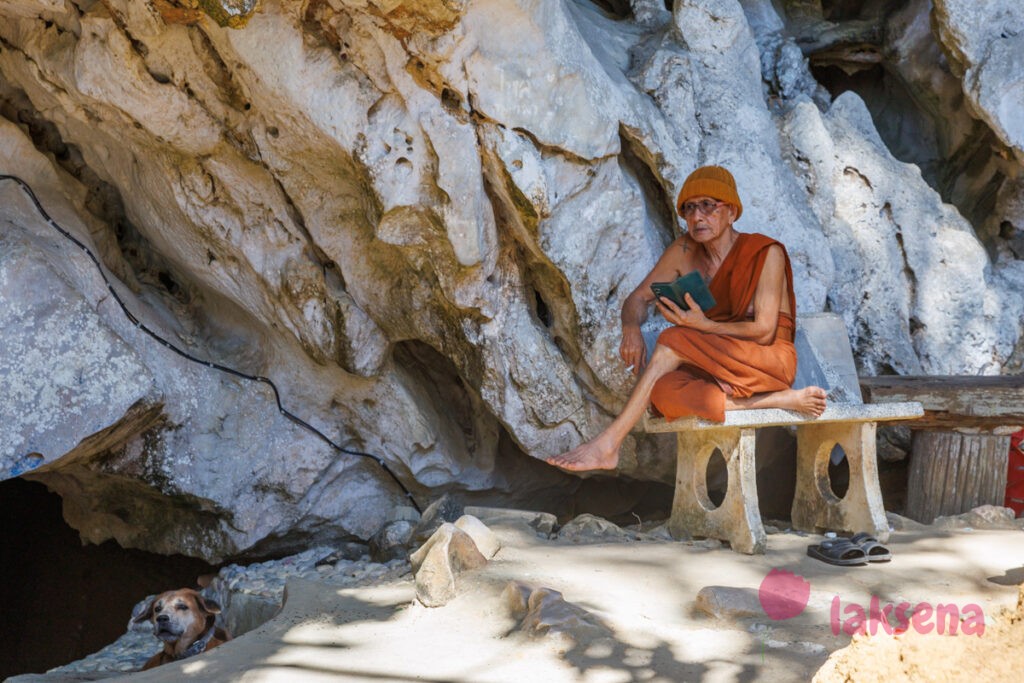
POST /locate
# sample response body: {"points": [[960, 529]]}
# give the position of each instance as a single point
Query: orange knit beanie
{"points": [[710, 181]]}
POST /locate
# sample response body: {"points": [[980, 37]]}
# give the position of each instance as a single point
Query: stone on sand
{"points": [[728, 602], [541, 523], [445, 555], [485, 539], [587, 528], [982, 517], [544, 612], [390, 543]]}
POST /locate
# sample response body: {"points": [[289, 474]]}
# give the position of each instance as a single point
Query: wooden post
{"points": [[951, 473]]}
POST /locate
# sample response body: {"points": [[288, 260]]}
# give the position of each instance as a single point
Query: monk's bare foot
{"points": [[809, 400], [593, 455]]}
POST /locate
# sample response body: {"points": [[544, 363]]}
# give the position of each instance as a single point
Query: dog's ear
{"points": [[207, 605], [145, 613]]}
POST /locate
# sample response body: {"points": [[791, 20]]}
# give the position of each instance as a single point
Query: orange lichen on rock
{"points": [[173, 13], [227, 13]]}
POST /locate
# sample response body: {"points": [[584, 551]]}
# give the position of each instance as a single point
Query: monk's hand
{"points": [[694, 317], [633, 349]]}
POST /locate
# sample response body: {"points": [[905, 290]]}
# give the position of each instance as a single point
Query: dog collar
{"points": [[198, 646]]}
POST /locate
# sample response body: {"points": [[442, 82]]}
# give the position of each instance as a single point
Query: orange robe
{"points": [[716, 365]]}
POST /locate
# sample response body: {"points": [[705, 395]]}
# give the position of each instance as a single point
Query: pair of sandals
{"points": [[859, 549]]}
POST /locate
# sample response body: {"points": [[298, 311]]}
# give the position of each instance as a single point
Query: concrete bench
{"points": [[825, 359]]}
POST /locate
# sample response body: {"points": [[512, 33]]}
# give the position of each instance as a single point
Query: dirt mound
{"points": [[912, 656]]}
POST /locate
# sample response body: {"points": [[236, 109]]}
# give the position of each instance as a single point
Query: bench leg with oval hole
{"points": [[737, 519], [815, 507]]}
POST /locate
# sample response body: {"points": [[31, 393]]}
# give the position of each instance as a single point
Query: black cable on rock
{"points": [[216, 366]]}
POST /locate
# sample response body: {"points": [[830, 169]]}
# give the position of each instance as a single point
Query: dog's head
{"points": [[179, 616]]}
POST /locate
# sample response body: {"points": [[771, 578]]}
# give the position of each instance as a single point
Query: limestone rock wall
{"points": [[420, 220]]}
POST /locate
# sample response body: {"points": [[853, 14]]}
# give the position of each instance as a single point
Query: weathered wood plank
{"points": [[983, 402], [926, 482]]}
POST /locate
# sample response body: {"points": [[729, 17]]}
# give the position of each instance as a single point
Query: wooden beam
{"points": [[950, 402]]}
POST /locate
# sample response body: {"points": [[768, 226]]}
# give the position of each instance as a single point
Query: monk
{"points": [[737, 355]]}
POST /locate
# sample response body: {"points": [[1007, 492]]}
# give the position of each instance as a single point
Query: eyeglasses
{"points": [[706, 206]]}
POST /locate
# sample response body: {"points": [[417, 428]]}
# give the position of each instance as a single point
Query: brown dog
{"points": [[184, 621]]}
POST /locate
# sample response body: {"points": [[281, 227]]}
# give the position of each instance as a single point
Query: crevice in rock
{"points": [[134, 260], [549, 304], [640, 163], [217, 70], [437, 377], [546, 290], [554, 150], [541, 309], [1014, 365], [915, 325], [428, 76], [315, 22], [452, 101], [231, 104], [316, 254], [846, 10], [1012, 237], [983, 205], [119, 21], [518, 223], [615, 9], [853, 46], [277, 546], [488, 463], [17, 108], [508, 476], [966, 179]]}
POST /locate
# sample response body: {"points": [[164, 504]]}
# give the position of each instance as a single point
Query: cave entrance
{"points": [[61, 600]]}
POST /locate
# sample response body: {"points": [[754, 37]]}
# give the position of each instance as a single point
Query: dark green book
{"points": [[693, 283]]}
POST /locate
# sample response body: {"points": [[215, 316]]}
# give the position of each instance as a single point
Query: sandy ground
{"points": [[998, 655], [643, 591]]}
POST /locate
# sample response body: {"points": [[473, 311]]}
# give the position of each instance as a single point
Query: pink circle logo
{"points": [[783, 594]]}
